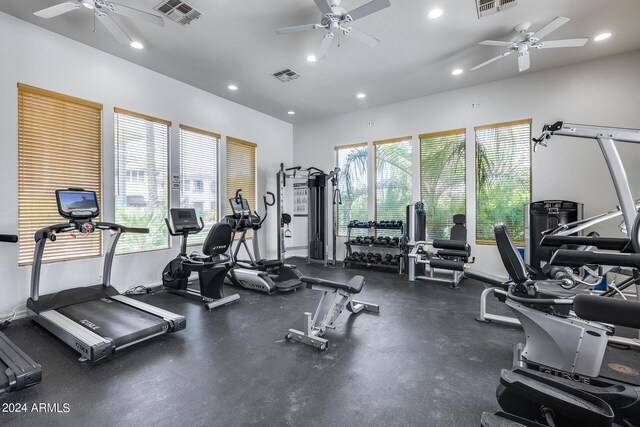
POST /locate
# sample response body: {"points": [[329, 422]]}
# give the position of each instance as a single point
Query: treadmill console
{"points": [[184, 219], [77, 204], [240, 210]]}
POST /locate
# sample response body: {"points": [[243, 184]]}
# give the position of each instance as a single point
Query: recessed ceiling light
{"points": [[457, 72], [291, 113], [435, 13], [602, 36], [312, 58], [136, 45], [361, 96], [233, 87], [88, 4]]}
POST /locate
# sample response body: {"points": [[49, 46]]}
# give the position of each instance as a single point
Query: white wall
{"points": [[37, 57], [603, 92]]}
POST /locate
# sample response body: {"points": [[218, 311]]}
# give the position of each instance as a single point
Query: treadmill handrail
{"points": [[41, 236]]}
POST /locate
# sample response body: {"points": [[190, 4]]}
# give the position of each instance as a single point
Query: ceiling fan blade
{"points": [[58, 9], [361, 37], [135, 13], [324, 46], [563, 43], [369, 8], [477, 67], [295, 29], [495, 43], [324, 7], [113, 27], [524, 62], [550, 27]]}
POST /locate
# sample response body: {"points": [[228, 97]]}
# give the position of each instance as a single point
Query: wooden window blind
{"points": [[199, 176], [352, 182], [241, 172], [393, 179], [59, 146], [443, 179], [142, 187], [503, 178]]}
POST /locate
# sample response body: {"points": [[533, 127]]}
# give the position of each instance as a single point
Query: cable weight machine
{"points": [[319, 188]]}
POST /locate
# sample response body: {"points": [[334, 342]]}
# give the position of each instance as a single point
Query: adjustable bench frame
{"points": [[317, 324]]}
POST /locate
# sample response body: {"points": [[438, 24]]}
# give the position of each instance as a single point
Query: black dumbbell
{"points": [[387, 259], [377, 258]]}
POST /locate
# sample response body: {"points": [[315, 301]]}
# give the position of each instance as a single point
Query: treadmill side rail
{"points": [[176, 322], [90, 345], [22, 371]]}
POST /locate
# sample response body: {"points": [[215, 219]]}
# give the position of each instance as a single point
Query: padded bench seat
{"points": [[452, 253], [354, 285]]}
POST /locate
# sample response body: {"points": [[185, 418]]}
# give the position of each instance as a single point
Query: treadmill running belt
{"points": [[112, 319]]}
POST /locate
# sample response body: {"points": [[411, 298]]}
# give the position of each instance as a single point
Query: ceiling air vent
{"points": [[487, 7], [286, 75], [178, 11]]}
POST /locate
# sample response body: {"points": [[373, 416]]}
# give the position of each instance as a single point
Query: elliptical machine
{"points": [[257, 273], [212, 265]]}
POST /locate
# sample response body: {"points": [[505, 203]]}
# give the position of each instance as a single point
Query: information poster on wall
{"points": [[300, 199]]}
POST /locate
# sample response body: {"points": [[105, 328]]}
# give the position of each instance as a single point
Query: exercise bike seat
{"points": [[608, 310], [354, 285]]}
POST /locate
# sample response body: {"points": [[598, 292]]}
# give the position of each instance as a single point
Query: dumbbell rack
{"points": [[350, 244]]}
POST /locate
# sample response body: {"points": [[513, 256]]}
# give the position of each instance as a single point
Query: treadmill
{"points": [[18, 369], [96, 321]]}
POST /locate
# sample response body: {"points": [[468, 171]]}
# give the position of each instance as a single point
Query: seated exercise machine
{"points": [[212, 265], [441, 254], [96, 321], [341, 295], [257, 273], [18, 369], [555, 377]]}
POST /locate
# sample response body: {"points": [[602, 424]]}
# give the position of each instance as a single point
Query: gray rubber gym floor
{"points": [[421, 361]]}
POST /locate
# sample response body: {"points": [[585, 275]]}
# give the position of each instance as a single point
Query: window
{"points": [[241, 171], [142, 191], [443, 179], [59, 146], [135, 176], [393, 179], [503, 178], [199, 164], [352, 182]]}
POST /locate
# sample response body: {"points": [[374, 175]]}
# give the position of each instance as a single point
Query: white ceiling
{"points": [[234, 42]]}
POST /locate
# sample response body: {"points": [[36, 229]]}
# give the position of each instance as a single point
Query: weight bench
{"points": [[316, 326]]}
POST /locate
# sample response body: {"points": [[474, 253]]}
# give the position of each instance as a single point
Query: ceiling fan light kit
{"points": [[335, 21], [531, 40], [102, 10]]}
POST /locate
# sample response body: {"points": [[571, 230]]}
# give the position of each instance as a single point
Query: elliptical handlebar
{"points": [[261, 220], [238, 196]]}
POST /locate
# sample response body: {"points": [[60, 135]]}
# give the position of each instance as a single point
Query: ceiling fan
{"points": [[102, 10], [529, 40], [336, 20]]}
